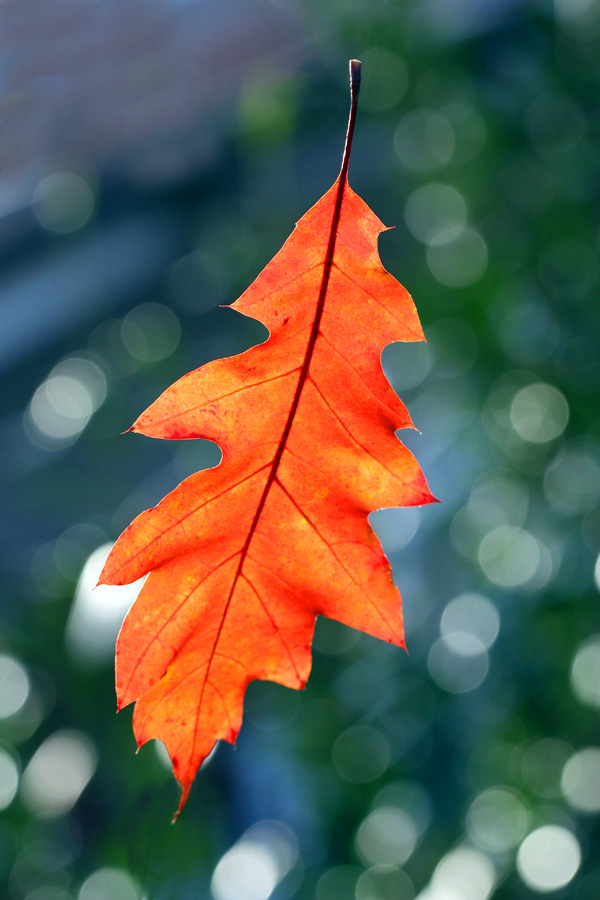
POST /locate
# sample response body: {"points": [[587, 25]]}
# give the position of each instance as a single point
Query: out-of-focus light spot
{"points": [[497, 820], [406, 365], [109, 884], [466, 533], [29, 716], [460, 261], [386, 836], [63, 202], [590, 531], [384, 883], [44, 862], [472, 614], [256, 864], [539, 413], [529, 332], [411, 797], [469, 130], [97, 612], [361, 754], [580, 780], [424, 140], [549, 858], [150, 332], [73, 547], [463, 874], [458, 662], [395, 528], [580, 19], [585, 672], [106, 341], [554, 123], [543, 764], [57, 774], [338, 883], [14, 686], [509, 556], [502, 394], [49, 892], [9, 778], [573, 9], [385, 79], [408, 729], [494, 762], [499, 498], [572, 480], [435, 213], [162, 754], [63, 405]]}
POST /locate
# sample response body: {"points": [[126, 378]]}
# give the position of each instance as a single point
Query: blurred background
{"points": [[155, 155]]}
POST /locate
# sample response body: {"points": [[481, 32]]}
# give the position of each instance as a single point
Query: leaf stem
{"points": [[355, 73]]}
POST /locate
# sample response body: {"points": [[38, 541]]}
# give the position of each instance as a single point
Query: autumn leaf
{"points": [[243, 557]]}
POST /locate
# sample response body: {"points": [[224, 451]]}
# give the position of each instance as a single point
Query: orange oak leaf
{"points": [[243, 557]]}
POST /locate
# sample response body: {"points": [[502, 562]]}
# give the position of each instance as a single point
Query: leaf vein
{"points": [[338, 560], [275, 627], [173, 616]]}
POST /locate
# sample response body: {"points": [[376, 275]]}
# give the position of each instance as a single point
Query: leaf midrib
{"points": [[302, 379]]}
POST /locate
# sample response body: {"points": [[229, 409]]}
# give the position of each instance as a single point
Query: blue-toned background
{"points": [[154, 155]]}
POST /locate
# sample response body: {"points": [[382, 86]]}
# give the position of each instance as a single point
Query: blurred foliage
{"points": [[472, 765]]}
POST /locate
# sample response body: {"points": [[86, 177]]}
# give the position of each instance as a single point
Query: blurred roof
{"points": [[129, 89]]}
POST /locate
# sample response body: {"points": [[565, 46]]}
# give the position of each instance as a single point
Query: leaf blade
{"points": [[306, 422]]}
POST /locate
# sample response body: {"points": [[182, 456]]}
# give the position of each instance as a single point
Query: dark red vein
{"points": [[365, 384], [168, 621], [366, 450], [339, 561], [273, 623], [213, 400], [184, 518]]}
